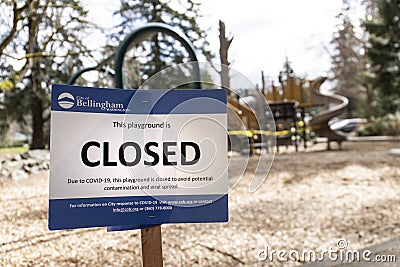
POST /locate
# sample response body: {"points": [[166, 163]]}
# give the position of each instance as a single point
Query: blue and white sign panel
{"points": [[137, 157]]}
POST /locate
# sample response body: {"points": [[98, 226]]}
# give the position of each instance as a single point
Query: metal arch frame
{"points": [[134, 38], [76, 75], [99, 67], [139, 35]]}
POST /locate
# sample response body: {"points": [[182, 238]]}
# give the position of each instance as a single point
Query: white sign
{"points": [[135, 157]]}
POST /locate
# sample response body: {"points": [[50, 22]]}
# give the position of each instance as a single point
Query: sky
{"points": [[265, 33]]}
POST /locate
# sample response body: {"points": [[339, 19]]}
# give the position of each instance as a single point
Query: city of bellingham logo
{"points": [[66, 100]]}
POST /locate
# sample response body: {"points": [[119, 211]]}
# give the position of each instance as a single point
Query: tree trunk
{"points": [[156, 44], [36, 105], [37, 123], [224, 44], [370, 111], [35, 81]]}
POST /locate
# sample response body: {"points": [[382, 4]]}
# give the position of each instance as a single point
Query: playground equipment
{"points": [[289, 103], [287, 122], [249, 120], [257, 128], [319, 123], [307, 95], [292, 89]]}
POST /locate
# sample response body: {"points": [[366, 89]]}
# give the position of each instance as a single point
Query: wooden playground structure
{"points": [[290, 105]]}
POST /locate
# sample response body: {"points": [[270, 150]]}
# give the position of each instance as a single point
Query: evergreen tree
{"points": [[384, 54], [348, 63], [46, 37], [158, 51]]}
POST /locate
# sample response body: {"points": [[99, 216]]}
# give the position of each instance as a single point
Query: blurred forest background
{"points": [[43, 42]]}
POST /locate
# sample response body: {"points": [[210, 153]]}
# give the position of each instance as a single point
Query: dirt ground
{"points": [[310, 200]]}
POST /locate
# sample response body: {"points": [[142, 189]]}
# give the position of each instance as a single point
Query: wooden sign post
{"points": [[152, 246]]}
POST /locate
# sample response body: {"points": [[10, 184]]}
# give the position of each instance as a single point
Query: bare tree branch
{"points": [[16, 18], [224, 44]]}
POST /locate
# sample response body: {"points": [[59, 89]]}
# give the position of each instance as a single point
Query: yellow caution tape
{"points": [[251, 133], [247, 133]]}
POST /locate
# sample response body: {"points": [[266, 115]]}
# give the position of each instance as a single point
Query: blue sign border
{"points": [[98, 212], [120, 101]]}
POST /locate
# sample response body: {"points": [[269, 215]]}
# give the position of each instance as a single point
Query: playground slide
{"points": [[319, 124], [243, 111]]}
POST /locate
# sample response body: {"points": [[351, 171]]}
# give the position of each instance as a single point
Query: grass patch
{"points": [[12, 150]]}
